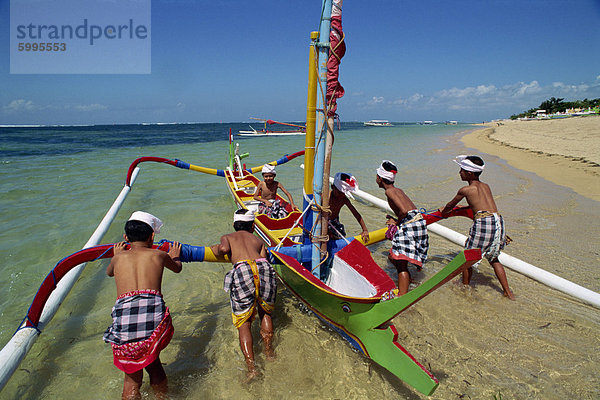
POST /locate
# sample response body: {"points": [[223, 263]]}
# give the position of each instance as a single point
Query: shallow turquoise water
{"points": [[54, 193]]}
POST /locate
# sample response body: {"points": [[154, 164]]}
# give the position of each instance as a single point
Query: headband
{"points": [[385, 174], [468, 165], [248, 216], [268, 169], [147, 218], [347, 185]]}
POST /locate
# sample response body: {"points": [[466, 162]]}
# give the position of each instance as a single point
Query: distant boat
{"points": [[427, 122], [378, 122], [267, 131]]}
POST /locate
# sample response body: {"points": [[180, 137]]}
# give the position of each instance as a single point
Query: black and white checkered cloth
{"points": [[276, 210], [487, 234], [339, 227], [411, 241], [239, 282], [135, 317]]}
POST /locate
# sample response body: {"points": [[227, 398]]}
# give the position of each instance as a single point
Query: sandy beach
{"points": [[563, 151]]}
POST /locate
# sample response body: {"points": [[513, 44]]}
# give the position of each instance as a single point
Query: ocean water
{"points": [[58, 182]]}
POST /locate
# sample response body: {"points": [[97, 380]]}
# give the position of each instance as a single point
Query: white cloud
{"points": [[486, 99], [19, 105], [90, 107]]}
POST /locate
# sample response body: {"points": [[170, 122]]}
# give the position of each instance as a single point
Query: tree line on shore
{"points": [[555, 106]]}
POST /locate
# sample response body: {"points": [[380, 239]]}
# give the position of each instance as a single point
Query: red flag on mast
{"points": [[337, 51]]}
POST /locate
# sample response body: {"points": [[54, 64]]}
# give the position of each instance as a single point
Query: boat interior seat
{"points": [[252, 206]]}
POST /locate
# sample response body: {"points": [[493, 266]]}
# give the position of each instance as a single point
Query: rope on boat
{"points": [[295, 224]]}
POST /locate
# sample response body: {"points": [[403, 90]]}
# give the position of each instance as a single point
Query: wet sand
{"points": [[564, 151]]}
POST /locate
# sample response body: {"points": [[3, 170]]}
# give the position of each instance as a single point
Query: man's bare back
{"points": [[400, 203], [141, 267], [241, 245]]}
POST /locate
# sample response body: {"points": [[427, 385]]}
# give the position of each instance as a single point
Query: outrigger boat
{"points": [[337, 279], [350, 293], [267, 131], [378, 122]]}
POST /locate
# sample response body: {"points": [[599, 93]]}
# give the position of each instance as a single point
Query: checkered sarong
{"points": [[239, 282], [276, 210], [410, 242], [487, 234], [135, 316], [335, 223]]}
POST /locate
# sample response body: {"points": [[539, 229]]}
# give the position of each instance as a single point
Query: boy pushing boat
{"points": [[142, 324], [252, 286], [410, 242], [487, 232], [344, 183]]}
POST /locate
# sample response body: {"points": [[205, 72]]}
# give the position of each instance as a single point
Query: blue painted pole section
{"points": [[323, 47]]}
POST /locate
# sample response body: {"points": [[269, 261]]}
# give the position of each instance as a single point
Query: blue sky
{"points": [[406, 61]]}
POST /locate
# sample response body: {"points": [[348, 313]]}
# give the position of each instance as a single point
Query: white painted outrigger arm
{"points": [[556, 282], [15, 350]]}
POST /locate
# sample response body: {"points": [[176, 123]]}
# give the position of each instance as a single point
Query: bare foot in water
{"points": [[270, 354], [252, 375], [510, 295]]}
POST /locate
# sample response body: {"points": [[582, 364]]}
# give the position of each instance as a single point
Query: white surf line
{"points": [[16, 349], [556, 282]]}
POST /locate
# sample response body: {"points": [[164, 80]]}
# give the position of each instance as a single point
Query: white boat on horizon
{"points": [[378, 122], [267, 131]]}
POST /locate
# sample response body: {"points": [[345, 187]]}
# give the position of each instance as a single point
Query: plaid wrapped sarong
{"points": [[487, 234], [337, 225], [410, 242], [141, 328], [250, 282], [276, 211]]}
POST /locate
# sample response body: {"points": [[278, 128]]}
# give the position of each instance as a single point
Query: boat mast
{"points": [[309, 141], [323, 56]]}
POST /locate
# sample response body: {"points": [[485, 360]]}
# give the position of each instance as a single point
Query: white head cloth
{"points": [[248, 216], [468, 165], [385, 174], [345, 186], [268, 169], [150, 219]]}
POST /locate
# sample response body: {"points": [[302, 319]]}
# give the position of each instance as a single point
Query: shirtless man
{"points": [[266, 193], [342, 184], [487, 232], [252, 286], [138, 277], [410, 242]]}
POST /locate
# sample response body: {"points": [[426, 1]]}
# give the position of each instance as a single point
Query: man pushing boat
{"points": [[142, 324], [410, 242], [487, 232], [252, 285], [344, 183]]}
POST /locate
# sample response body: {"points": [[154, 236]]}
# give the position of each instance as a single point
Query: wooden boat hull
{"points": [[272, 231], [365, 321]]}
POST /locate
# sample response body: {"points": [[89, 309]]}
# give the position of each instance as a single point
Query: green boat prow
{"points": [[366, 321]]}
